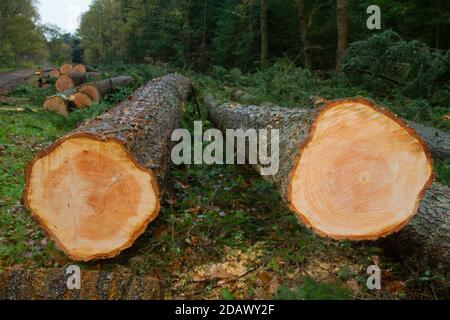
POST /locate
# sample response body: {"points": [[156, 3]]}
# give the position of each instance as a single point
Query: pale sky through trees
{"points": [[63, 13]]}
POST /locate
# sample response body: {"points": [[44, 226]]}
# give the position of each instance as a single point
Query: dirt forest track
{"points": [[9, 80]]}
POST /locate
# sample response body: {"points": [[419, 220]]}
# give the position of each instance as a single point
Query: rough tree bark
{"points": [[95, 190], [342, 30], [438, 141], [351, 184], [66, 68], [425, 241], [10, 80], [51, 284]]}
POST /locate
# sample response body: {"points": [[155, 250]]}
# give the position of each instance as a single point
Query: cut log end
{"points": [[54, 74], [361, 173], [66, 69], [81, 100], [91, 196], [58, 105], [79, 68], [64, 83], [91, 91]]}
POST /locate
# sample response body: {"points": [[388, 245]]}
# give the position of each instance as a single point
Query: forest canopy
{"points": [[198, 34], [24, 40], [231, 33]]}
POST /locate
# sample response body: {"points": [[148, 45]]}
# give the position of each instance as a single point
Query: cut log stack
{"points": [[67, 81], [96, 189], [77, 87], [351, 170], [83, 96], [66, 77]]}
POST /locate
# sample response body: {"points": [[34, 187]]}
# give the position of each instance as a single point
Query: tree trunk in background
{"points": [[264, 33], [303, 32], [96, 189], [204, 35], [300, 131], [342, 30]]}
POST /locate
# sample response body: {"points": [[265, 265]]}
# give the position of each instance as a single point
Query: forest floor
{"points": [[222, 231]]}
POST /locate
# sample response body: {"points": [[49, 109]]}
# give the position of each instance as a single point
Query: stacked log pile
{"points": [[83, 96]]}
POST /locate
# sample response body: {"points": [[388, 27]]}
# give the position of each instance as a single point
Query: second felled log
{"points": [[354, 171], [95, 190], [349, 170]]}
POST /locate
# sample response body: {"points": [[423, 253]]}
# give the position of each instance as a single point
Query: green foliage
{"points": [[201, 33], [21, 40], [63, 47], [226, 294], [312, 290], [387, 63]]}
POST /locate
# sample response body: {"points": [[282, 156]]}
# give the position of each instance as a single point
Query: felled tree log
{"points": [[83, 96], [68, 81], [51, 284], [64, 82], [95, 190], [425, 241], [438, 141], [10, 80], [54, 74], [337, 163], [57, 104], [91, 69], [66, 69], [79, 68], [351, 170]]}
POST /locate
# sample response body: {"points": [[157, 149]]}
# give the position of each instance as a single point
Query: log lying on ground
{"points": [[58, 105], [66, 69], [351, 170], [68, 81], [10, 80], [54, 74], [64, 82], [79, 68], [51, 284], [438, 141], [84, 95], [80, 100], [424, 243], [91, 69], [95, 190]]}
